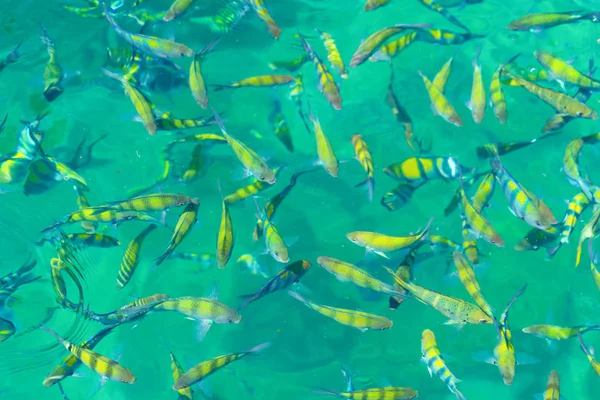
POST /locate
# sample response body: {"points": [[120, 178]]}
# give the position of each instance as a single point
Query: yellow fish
{"points": [[469, 280], [371, 5], [554, 332], [263, 14], [440, 104], [346, 272], [333, 54], [177, 8], [258, 81], [131, 258], [552, 391], [589, 231], [436, 364], [564, 72], [196, 80], [386, 393], [590, 356], [327, 157], [363, 155], [186, 221], [225, 239], [477, 103]]}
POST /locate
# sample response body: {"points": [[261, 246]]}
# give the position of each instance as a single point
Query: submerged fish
{"points": [[431, 356], [540, 21]]}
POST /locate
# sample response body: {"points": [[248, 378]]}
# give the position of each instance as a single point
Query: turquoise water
{"points": [[307, 349]]}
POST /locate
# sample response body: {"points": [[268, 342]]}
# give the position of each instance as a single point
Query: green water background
{"points": [[307, 348]]}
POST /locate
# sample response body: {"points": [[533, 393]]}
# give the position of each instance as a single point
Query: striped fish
{"points": [[131, 258], [436, 364], [326, 83]]}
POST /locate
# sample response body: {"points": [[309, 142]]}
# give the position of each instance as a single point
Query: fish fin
{"points": [[370, 185], [325, 392], [258, 348], [485, 357], [380, 253], [526, 359], [202, 328]]}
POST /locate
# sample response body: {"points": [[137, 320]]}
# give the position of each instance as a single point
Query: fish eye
{"points": [[262, 177], [276, 254], [579, 113], [493, 242], [482, 321]]}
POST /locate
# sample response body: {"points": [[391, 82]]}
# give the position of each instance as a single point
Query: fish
{"points": [[274, 243], [504, 352], [564, 72], [250, 262], [387, 393], [440, 104], [208, 367], [589, 231], [94, 215], [497, 99], [251, 161], [431, 356], [536, 238], [53, 73], [590, 356], [196, 80], [229, 15], [390, 50], [398, 197], [523, 204], [200, 308], [186, 221], [539, 21], [356, 319], [368, 46], [246, 191], [478, 102], [333, 54], [196, 164], [225, 237], [325, 152], [562, 103], [90, 240], [202, 138], [380, 244], [145, 301], [441, 241], [11, 58], [571, 162], [258, 81], [404, 272], [433, 6], [477, 222], [363, 155], [105, 367], [152, 45], [469, 280], [555, 332], [326, 84], [418, 170], [290, 65], [178, 7], [458, 311], [70, 363], [296, 95], [290, 274], [371, 5], [280, 125], [131, 258], [445, 37], [552, 391], [346, 272], [7, 329], [469, 242], [140, 102], [176, 371], [399, 112], [441, 78], [265, 16], [150, 202]]}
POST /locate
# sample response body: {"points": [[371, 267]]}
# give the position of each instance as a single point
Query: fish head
{"points": [[455, 119], [332, 169], [280, 254], [266, 175], [505, 360], [230, 317], [355, 237]]}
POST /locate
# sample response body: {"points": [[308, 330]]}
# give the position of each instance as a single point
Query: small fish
{"points": [[445, 37], [589, 231], [250, 262], [565, 72], [153, 45], [404, 272], [92, 214], [571, 162], [371, 5], [478, 223], [552, 391], [393, 48], [441, 78], [440, 104], [196, 80], [433, 6], [246, 191], [11, 58], [280, 125], [131, 258], [399, 112], [326, 84], [203, 138], [497, 100], [325, 152], [200, 308], [177, 371], [150, 202], [363, 155], [469, 280], [360, 320], [469, 242], [177, 8], [387, 393], [441, 241], [145, 301], [140, 102], [196, 164], [540, 21], [296, 95], [458, 311], [225, 237], [398, 197], [98, 363], [264, 15], [380, 244], [346, 272], [333, 54], [590, 356], [208, 367], [70, 363], [290, 274], [537, 238], [478, 102], [258, 81], [368, 46], [290, 65], [523, 204], [431, 356], [562, 103], [166, 122], [504, 352], [274, 243], [251, 161], [53, 74], [418, 170], [186, 221], [554, 332]]}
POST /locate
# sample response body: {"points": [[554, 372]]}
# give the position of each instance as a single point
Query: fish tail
{"points": [[583, 347], [299, 297], [162, 258], [459, 395], [258, 348], [326, 392], [218, 120], [476, 59], [370, 183], [510, 61], [204, 51], [593, 16], [399, 281], [50, 331], [248, 298], [552, 252]]}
